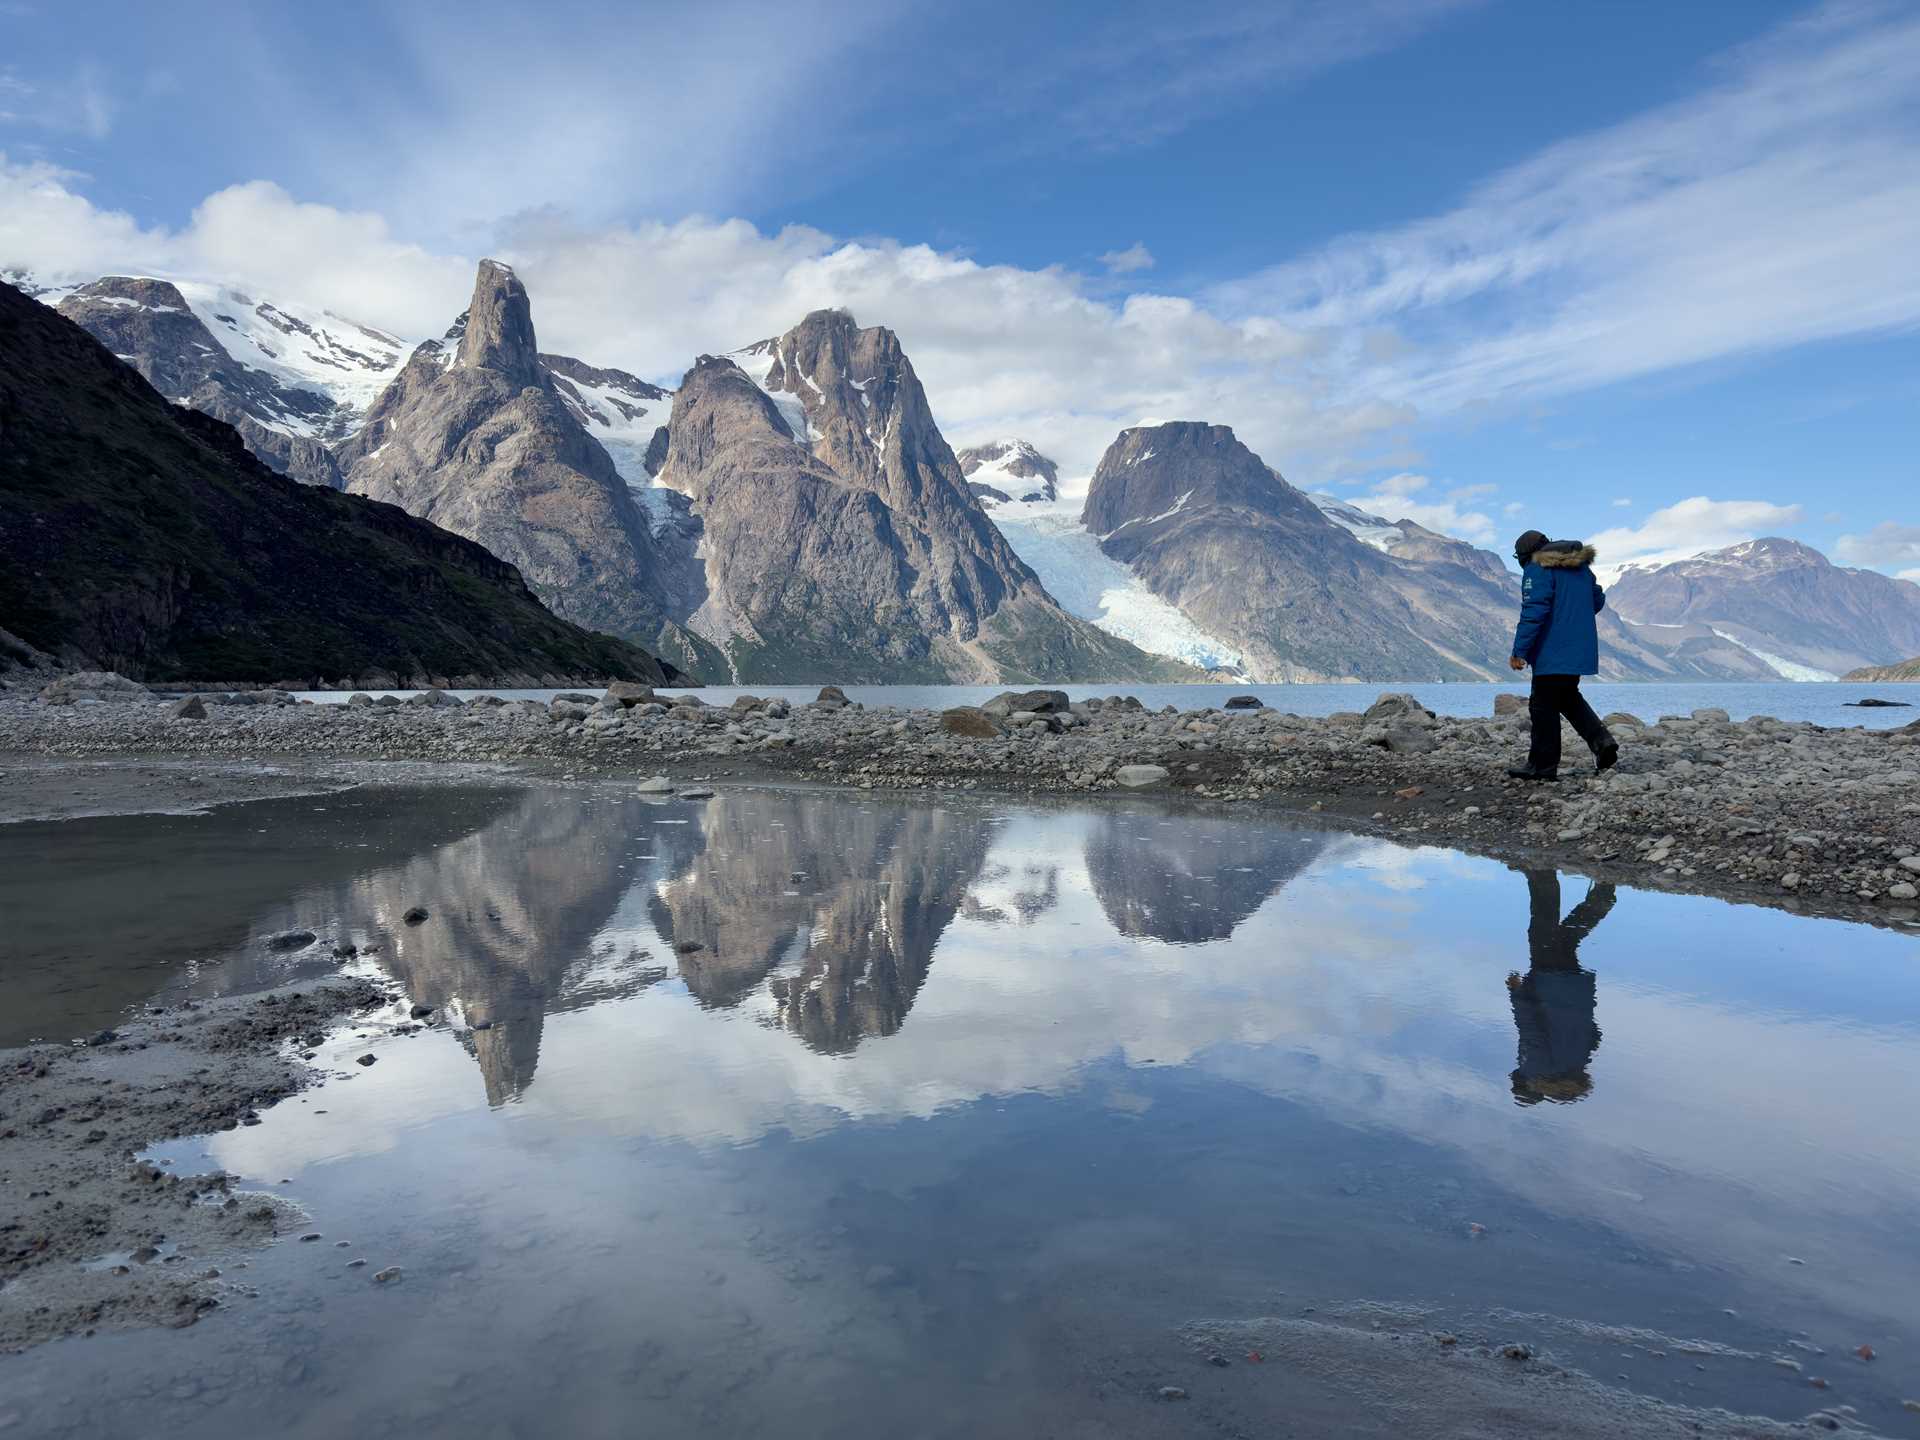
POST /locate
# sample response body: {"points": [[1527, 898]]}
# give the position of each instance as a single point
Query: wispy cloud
{"points": [[1125, 262], [1780, 206], [1887, 544], [79, 102], [1683, 530], [1397, 498]]}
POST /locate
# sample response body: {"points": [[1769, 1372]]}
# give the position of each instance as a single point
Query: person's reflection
{"points": [[1553, 1003]]}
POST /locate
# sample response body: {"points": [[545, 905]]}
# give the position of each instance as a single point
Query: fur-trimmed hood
{"points": [[1563, 555]]}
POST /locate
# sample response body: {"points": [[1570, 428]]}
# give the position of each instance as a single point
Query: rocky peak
{"points": [[716, 405], [498, 334], [1008, 470], [858, 405], [1153, 471]]}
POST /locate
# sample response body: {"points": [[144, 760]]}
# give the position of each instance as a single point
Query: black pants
{"points": [[1554, 696]]}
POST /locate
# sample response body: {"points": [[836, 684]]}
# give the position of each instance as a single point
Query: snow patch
{"points": [[1049, 537], [1786, 669], [1374, 530]]}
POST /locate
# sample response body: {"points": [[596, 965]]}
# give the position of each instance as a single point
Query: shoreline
{"points": [[1818, 821], [97, 1239]]}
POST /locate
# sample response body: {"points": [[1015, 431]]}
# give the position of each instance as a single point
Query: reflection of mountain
{"points": [[845, 903], [1191, 878], [179, 906], [512, 910]]}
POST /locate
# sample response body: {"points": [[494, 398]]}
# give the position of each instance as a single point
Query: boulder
{"points": [[657, 785], [100, 685], [191, 708], [388, 701], [1039, 702], [831, 696], [1508, 703], [573, 697], [1712, 714], [1395, 706], [359, 700], [433, 700], [970, 721], [746, 703], [629, 692], [1136, 776], [1246, 702]]}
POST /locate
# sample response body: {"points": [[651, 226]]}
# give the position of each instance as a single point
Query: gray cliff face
{"points": [[476, 435], [1288, 579], [842, 541], [1784, 598], [1208, 526], [1007, 470], [148, 324]]}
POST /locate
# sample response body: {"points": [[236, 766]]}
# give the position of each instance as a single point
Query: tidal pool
{"points": [[802, 1113]]}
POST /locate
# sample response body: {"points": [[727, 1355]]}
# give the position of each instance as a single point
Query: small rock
{"points": [[1245, 702], [697, 793], [416, 916], [1136, 776], [367, 1060], [420, 1012], [191, 708], [658, 785], [1517, 1352], [1172, 1392], [387, 1276], [291, 940]]}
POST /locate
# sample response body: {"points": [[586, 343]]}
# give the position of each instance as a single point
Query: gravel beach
{"points": [[1822, 821]]}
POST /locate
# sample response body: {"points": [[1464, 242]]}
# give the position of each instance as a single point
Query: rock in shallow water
{"points": [[1136, 776]]}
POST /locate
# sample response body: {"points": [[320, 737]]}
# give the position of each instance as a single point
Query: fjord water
{"points": [[807, 1113]]}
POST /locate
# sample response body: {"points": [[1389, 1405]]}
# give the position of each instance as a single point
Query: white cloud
{"points": [[1392, 497], [1623, 502], [1913, 575], [1002, 349], [1124, 262], [1679, 532], [1887, 543], [1779, 207]]}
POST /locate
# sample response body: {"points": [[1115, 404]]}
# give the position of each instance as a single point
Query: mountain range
{"points": [[140, 536], [791, 511]]}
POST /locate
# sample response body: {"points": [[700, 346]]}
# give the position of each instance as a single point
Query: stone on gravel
{"points": [[98, 685], [1394, 706], [434, 700], [970, 722], [1246, 702], [628, 693], [1508, 703], [291, 940], [1136, 776], [191, 708], [416, 916], [656, 785]]}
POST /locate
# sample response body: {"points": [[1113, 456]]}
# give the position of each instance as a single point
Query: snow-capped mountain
{"points": [[1786, 602], [840, 536], [1004, 470]]}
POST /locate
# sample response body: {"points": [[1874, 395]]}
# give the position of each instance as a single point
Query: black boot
{"points": [[1527, 772], [1606, 754]]}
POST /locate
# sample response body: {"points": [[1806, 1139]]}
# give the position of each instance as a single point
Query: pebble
{"points": [[387, 1276], [1172, 1392]]}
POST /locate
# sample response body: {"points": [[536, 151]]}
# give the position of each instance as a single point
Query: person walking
{"points": [[1558, 637]]}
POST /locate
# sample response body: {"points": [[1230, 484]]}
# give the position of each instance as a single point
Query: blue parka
{"points": [[1558, 599]]}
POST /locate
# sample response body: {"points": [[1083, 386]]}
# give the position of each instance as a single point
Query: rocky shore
{"points": [[1822, 821], [95, 1239]]}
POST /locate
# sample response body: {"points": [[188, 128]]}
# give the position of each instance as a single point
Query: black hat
{"points": [[1524, 547]]}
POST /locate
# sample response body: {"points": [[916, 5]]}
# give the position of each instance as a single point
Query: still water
{"points": [[1820, 702], [802, 1113]]}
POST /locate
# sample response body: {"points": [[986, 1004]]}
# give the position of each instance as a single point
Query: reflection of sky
{"points": [[1752, 1094]]}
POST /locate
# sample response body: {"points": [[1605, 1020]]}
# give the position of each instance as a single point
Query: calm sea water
{"points": [[809, 1114], [1821, 702]]}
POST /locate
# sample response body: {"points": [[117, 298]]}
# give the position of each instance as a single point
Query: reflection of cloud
{"points": [[1358, 985]]}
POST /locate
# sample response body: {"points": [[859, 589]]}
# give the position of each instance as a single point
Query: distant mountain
{"points": [[1009, 470], [140, 536], [1906, 670], [1406, 540], [1782, 600], [1210, 528], [841, 540], [290, 381], [483, 437]]}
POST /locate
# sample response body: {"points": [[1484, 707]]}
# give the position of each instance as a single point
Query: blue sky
{"points": [[1637, 271]]}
